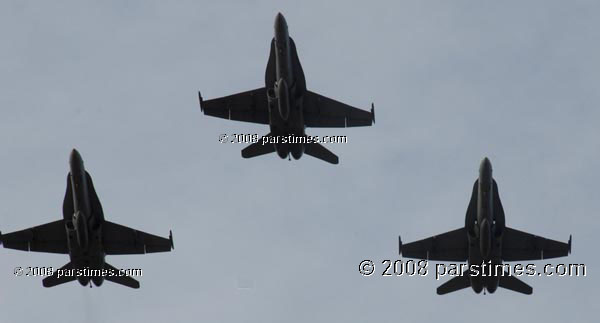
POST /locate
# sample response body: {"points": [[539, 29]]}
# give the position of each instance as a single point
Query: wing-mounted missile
{"points": [[373, 112], [201, 101], [399, 245], [171, 239]]}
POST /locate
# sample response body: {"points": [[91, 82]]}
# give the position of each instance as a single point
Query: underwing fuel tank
{"points": [[485, 239], [80, 224]]}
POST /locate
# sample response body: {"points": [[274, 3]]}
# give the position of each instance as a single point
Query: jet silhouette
{"points": [[485, 239], [85, 235], [286, 105]]}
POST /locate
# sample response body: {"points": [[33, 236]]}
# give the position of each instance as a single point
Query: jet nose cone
{"points": [[75, 157], [486, 166], [280, 23]]}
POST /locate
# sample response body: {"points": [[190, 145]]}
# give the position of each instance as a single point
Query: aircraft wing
{"points": [[519, 245], [49, 237], [321, 111], [449, 246], [121, 240], [249, 106]]}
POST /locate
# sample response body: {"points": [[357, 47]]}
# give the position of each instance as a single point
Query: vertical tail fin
{"points": [[320, 152], [454, 284], [54, 280], [514, 284], [122, 280]]}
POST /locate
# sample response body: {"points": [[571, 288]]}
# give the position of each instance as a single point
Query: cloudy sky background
{"points": [[267, 240]]}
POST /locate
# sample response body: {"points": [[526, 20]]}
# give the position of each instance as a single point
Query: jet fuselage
{"points": [[83, 221], [285, 84], [485, 242], [485, 229]]}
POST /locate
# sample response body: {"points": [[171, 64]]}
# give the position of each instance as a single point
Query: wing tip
{"points": [[570, 242], [171, 239], [201, 101], [400, 245], [373, 112]]}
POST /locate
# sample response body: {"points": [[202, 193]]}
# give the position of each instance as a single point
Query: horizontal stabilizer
{"points": [[319, 151], [122, 280], [454, 284], [54, 280], [258, 149], [514, 284]]}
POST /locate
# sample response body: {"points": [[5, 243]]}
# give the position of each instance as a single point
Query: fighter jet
{"points": [[86, 236], [286, 105], [485, 239]]}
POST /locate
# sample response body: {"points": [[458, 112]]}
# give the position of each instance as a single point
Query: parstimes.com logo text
{"points": [[248, 138], [421, 268]]}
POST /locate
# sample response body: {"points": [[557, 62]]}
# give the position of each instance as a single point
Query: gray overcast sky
{"points": [[452, 82]]}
